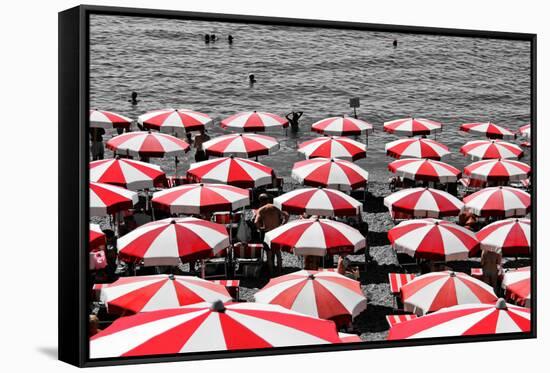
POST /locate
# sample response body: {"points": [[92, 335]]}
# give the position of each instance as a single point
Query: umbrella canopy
{"points": [[254, 121], [320, 294], [425, 170], [349, 338], [127, 173], [239, 172], [433, 239], [466, 319], [423, 203], [147, 144], [417, 148], [107, 119], [174, 121], [517, 284], [241, 145], [498, 170], [525, 131], [412, 126], [434, 291], [97, 237], [330, 173], [342, 126], [106, 199], [157, 292], [200, 199], [499, 201], [318, 201], [317, 237], [491, 149], [164, 242], [488, 129], [333, 147], [204, 327], [511, 237]]}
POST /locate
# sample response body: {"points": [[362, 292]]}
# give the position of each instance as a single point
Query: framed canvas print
{"points": [[234, 186]]}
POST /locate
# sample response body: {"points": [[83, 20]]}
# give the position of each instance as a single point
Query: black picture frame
{"points": [[73, 180]]}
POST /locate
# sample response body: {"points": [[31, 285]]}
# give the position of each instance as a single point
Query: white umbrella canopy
{"points": [[254, 121], [342, 126], [147, 144], [106, 199], [127, 173], [333, 147], [239, 172], [499, 202], [318, 201], [174, 121], [412, 126], [417, 148], [491, 149], [330, 173], [423, 203], [241, 145], [488, 129], [107, 119]]}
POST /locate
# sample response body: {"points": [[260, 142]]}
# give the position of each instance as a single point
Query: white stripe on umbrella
{"points": [[107, 119], [491, 149], [517, 283], [174, 121], [241, 145], [333, 147], [147, 144], [425, 169], [498, 170], [342, 126], [417, 148], [127, 173], [200, 198], [209, 327], [423, 203], [510, 237], [330, 173], [318, 201], [412, 126], [499, 201], [106, 199], [254, 121], [488, 129], [233, 171]]}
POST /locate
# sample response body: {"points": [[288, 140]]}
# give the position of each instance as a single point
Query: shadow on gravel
{"points": [[373, 319], [374, 204], [377, 239]]}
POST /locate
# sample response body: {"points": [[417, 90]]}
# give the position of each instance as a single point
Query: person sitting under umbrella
{"points": [[269, 217]]}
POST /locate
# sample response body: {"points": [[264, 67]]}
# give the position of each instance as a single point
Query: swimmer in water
{"points": [[395, 43], [230, 39], [293, 118], [251, 79], [207, 38], [213, 37], [134, 99]]}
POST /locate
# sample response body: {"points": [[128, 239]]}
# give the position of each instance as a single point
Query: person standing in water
{"points": [[395, 43], [133, 98], [251, 80], [230, 39], [206, 39], [202, 137], [98, 151], [293, 118], [213, 37]]}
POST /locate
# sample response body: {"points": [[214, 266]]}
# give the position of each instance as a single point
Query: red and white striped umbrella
{"points": [[106, 199], [466, 320], [320, 294], [342, 126], [498, 170], [333, 147], [254, 121], [499, 201], [106, 119], [200, 198], [434, 291], [511, 237], [97, 237], [317, 237], [164, 242], [127, 173], [205, 327], [425, 170], [241, 145], [517, 284], [318, 201], [412, 126], [417, 148], [174, 121], [491, 149], [433, 239], [239, 172], [157, 292], [330, 173], [488, 129], [423, 203], [525, 131], [147, 144]]}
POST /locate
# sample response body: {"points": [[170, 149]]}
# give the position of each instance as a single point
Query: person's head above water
{"points": [[252, 79], [213, 37], [230, 38], [134, 95], [206, 38], [263, 199]]}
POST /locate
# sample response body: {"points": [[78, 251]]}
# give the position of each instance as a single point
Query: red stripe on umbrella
{"points": [[97, 237], [106, 199], [510, 237], [127, 173], [412, 126]]}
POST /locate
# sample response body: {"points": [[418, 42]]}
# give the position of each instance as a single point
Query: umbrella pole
{"points": [[176, 168], [146, 199], [203, 270]]}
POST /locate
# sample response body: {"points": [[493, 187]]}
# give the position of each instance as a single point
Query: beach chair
{"points": [[397, 319], [396, 281], [277, 188], [232, 287], [229, 219], [248, 260], [216, 267]]}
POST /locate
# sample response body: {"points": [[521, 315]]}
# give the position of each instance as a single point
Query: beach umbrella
{"points": [[517, 284], [330, 173], [206, 327], [342, 126], [499, 201], [333, 147], [498, 170], [320, 294], [97, 237], [127, 173], [488, 129], [241, 145], [234, 171], [433, 239], [423, 203], [254, 121], [434, 291], [106, 199], [156, 292], [317, 237], [412, 126], [349, 338], [425, 170], [318, 201], [147, 144], [525, 131], [200, 199], [164, 242], [466, 320], [510, 237], [417, 148], [491, 149], [174, 121], [107, 119]]}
